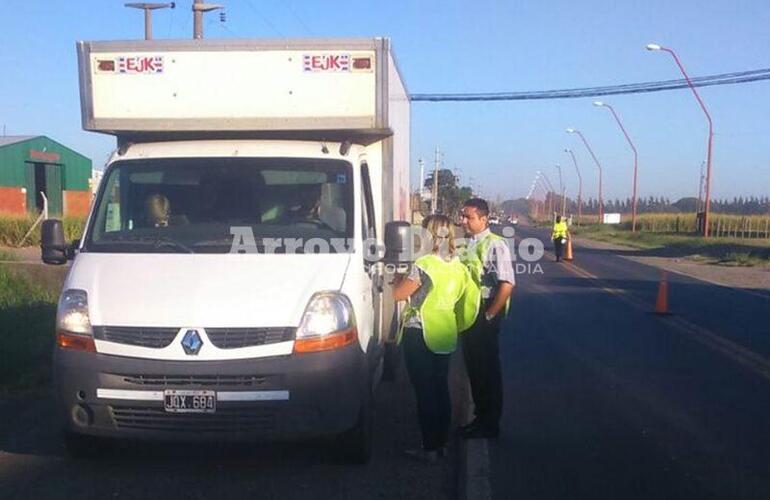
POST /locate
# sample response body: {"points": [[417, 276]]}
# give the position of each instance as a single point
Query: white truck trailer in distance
{"points": [[222, 287]]}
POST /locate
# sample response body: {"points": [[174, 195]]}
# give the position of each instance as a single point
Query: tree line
{"points": [[739, 205]]}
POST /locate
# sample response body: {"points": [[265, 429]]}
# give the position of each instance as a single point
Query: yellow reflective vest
{"points": [[473, 257], [443, 313], [559, 230]]}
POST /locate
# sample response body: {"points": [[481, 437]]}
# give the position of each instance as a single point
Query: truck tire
{"points": [[81, 446], [355, 445]]}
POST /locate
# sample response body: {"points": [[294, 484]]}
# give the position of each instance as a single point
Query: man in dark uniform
{"points": [[489, 261]]}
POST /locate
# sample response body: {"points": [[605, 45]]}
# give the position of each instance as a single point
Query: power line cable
{"points": [[298, 18], [264, 18], [631, 88]]}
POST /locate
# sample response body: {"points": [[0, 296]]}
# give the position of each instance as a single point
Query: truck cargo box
{"points": [[304, 88]]}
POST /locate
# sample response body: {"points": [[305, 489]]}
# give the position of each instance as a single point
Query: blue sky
{"points": [[455, 46]]}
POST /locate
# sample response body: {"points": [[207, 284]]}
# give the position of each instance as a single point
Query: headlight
{"points": [[73, 325], [328, 323]]}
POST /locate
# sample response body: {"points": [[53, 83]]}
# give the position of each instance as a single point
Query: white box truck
{"points": [[222, 287]]}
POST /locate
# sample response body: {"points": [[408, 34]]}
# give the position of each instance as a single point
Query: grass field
{"points": [[13, 229], [724, 251], [6, 255], [27, 316]]}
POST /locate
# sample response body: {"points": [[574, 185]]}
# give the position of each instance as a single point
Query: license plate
{"points": [[183, 401]]}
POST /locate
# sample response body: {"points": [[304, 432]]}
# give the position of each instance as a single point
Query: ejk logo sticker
{"points": [[140, 65], [326, 62]]}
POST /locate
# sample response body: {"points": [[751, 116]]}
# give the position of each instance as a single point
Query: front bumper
{"points": [[305, 395]]}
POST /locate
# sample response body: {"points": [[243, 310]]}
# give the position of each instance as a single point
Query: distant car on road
{"points": [[494, 220], [513, 220]]}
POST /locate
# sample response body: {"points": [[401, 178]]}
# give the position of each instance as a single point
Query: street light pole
{"points": [[563, 194], [148, 8], [707, 208], [580, 184], [699, 206], [552, 190], [636, 158], [543, 191], [599, 166]]}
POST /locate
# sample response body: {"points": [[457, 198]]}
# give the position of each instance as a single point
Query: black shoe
{"points": [[481, 432], [472, 423], [424, 456]]}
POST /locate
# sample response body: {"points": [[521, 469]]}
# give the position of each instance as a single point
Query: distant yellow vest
{"points": [[559, 230], [442, 313]]}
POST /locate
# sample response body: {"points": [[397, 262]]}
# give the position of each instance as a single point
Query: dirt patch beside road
{"points": [[754, 278]]}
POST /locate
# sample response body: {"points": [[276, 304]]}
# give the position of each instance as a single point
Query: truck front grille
{"points": [[233, 338], [176, 381], [223, 338], [142, 336], [225, 420]]}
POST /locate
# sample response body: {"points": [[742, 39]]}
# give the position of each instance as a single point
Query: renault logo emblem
{"points": [[191, 342]]}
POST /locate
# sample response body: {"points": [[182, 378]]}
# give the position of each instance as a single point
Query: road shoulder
{"points": [[751, 278]]}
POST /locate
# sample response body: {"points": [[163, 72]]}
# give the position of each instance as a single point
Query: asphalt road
{"points": [[602, 400], [606, 400], [34, 465]]}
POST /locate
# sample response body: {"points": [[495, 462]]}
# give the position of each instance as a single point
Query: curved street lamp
{"points": [[707, 208], [580, 185], [601, 104], [598, 165], [563, 194]]}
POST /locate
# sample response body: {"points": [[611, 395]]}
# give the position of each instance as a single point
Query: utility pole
{"points": [[148, 8], [422, 176], [434, 197], [198, 9]]}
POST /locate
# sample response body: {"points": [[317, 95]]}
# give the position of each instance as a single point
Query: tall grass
{"points": [[13, 229], [27, 316], [737, 226], [720, 225]]}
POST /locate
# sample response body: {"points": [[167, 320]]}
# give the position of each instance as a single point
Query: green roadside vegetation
{"points": [[27, 316], [722, 251], [7, 254], [14, 228]]}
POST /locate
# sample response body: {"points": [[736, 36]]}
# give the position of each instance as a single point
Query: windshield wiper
{"points": [[166, 241]]}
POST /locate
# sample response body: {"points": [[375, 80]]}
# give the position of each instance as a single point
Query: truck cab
{"points": [[229, 283]]}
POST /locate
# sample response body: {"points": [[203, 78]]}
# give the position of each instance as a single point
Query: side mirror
{"points": [[52, 244], [398, 241]]}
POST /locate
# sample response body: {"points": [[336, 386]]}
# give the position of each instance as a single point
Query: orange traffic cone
{"points": [[661, 304], [568, 255]]}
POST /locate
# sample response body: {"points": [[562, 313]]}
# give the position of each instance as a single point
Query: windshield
{"points": [[203, 205]]}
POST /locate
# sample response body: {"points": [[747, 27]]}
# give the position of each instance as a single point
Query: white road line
{"points": [[477, 470], [477, 466]]}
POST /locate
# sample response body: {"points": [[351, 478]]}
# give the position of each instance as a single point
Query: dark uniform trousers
{"points": [[481, 351], [429, 374], [557, 247]]}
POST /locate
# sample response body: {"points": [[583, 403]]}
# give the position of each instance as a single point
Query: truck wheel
{"points": [[355, 445], [81, 446], [392, 362]]}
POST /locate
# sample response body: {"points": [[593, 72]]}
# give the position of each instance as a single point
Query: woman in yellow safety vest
{"points": [[559, 236], [437, 288]]}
